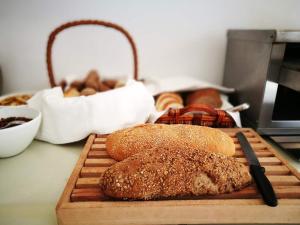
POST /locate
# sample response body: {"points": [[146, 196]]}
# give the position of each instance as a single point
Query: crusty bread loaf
{"points": [[207, 96], [124, 143], [161, 172]]}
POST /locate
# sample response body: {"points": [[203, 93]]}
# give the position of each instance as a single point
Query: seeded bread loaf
{"points": [[163, 173], [124, 143]]}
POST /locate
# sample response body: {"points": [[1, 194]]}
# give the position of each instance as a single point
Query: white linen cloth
{"points": [[157, 85], [66, 120]]}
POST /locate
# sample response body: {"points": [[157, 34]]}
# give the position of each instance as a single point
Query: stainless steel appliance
{"points": [[264, 68]]}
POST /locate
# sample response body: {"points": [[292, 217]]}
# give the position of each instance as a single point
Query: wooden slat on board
{"points": [[99, 162], [252, 192], [95, 194], [87, 194], [287, 191], [98, 154], [250, 139], [98, 146], [255, 150], [248, 134], [101, 135], [99, 140], [88, 182], [92, 171], [240, 154], [277, 170], [284, 180], [263, 160], [255, 146]]}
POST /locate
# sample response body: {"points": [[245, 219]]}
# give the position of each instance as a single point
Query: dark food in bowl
{"points": [[12, 122]]}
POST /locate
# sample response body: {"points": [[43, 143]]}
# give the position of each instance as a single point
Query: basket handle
{"points": [[86, 22]]}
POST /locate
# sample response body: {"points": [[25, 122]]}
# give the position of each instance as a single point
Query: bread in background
{"points": [[110, 83], [71, 92], [78, 84], [15, 100], [90, 85], [92, 80], [207, 96], [168, 100], [88, 91]]}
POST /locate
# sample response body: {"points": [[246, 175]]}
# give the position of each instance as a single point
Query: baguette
{"points": [[124, 143], [164, 173]]}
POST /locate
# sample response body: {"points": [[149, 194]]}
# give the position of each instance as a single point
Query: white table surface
{"points": [[32, 182]]}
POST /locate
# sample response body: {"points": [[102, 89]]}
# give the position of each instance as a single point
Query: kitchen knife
{"points": [[257, 172]]}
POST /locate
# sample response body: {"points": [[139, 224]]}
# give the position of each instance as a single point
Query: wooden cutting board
{"points": [[83, 203]]}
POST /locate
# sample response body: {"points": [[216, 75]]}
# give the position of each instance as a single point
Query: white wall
{"points": [[176, 37]]}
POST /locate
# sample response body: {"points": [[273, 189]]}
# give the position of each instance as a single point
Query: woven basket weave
{"points": [[198, 114]]}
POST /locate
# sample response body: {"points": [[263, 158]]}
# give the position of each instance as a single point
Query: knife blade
{"points": [[258, 172]]}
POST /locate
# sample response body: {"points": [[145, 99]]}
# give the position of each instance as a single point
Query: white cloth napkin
{"points": [[178, 83], [71, 119]]}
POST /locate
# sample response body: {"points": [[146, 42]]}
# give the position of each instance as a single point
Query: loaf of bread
{"points": [[207, 96], [124, 143], [71, 92], [164, 172], [168, 100]]}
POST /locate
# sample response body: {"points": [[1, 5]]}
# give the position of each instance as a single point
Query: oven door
{"points": [[280, 114]]}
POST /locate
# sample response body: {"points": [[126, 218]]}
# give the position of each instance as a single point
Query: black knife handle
{"points": [[264, 185]]}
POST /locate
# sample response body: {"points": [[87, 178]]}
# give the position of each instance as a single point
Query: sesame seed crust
{"points": [[168, 172], [126, 142]]}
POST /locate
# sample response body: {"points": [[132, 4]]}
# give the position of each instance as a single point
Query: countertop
{"points": [[32, 182]]}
